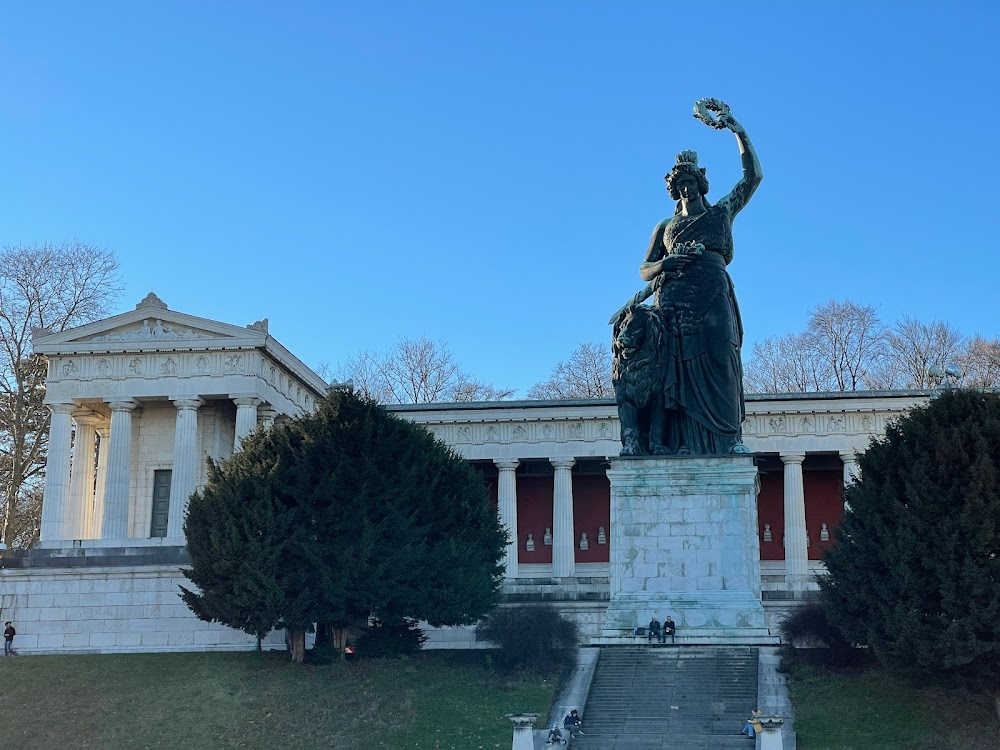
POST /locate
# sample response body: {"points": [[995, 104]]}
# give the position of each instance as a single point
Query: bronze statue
{"points": [[677, 371]]}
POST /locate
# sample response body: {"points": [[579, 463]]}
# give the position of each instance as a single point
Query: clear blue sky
{"points": [[488, 173]]}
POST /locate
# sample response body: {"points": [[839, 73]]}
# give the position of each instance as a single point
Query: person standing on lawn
{"points": [[8, 638]]}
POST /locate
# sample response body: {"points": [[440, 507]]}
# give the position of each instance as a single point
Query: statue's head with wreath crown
{"points": [[687, 164]]}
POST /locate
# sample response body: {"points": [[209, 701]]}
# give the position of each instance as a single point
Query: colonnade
{"points": [[84, 500], [563, 538], [796, 539]]}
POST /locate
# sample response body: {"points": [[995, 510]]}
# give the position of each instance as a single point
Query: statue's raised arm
{"points": [[723, 119]]}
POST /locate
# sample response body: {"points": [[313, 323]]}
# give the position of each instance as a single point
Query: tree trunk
{"points": [[259, 639], [297, 645], [323, 633], [339, 640], [995, 695]]}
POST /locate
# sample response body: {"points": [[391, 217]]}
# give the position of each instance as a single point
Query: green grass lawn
{"points": [[248, 700], [869, 709]]}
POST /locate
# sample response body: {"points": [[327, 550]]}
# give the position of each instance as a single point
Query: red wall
{"points": [[824, 504], [534, 515], [824, 491], [591, 510], [771, 509]]}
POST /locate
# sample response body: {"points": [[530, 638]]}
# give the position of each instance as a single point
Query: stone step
{"points": [[688, 698]]}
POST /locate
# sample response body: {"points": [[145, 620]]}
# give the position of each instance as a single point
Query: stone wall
{"points": [[107, 610]]}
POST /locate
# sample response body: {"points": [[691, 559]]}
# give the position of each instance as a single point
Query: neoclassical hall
{"points": [[152, 392]]}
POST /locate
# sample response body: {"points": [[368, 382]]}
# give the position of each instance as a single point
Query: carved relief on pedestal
{"points": [[749, 428], [202, 365], [604, 431], [548, 432], [492, 435], [777, 424], [576, 430], [520, 433], [835, 424], [135, 366], [69, 368], [104, 367], [806, 424], [464, 434], [169, 366]]}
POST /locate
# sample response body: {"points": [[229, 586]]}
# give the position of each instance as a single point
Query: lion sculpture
{"points": [[637, 375]]}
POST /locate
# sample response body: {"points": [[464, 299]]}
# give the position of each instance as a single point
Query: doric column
{"points": [[563, 551], [507, 507], [116, 489], [80, 506], [246, 418], [266, 415], [851, 471], [796, 555], [183, 477], [57, 472], [97, 518]]}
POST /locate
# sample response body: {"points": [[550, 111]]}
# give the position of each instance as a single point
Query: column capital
{"points": [[187, 402], [562, 463], [62, 407], [246, 400], [267, 412], [86, 417], [506, 464], [125, 404], [849, 455], [792, 458]]}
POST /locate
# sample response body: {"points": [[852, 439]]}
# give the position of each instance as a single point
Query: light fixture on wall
{"points": [[602, 536], [547, 538], [767, 532], [824, 533], [529, 545], [584, 544]]}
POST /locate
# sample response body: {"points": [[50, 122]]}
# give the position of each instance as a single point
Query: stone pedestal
{"points": [[685, 545], [770, 732], [523, 738]]}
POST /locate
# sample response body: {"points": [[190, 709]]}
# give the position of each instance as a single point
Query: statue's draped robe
{"points": [[703, 387]]}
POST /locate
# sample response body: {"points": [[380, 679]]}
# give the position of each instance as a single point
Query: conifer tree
{"points": [[339, 515], [916, 574]]}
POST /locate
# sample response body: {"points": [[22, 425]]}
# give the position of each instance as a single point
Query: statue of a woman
{"points": [[699, 407]]}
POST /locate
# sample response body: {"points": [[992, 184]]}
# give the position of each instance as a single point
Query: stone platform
{"points": [[686, 545]]}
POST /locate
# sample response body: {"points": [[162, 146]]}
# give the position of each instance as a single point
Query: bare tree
{"points": [[586, 374], [851, 339], [981, 363], [786, 364], [416, 371], [915, 346], [53, 287]]}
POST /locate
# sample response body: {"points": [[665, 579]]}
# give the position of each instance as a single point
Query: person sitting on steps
{"points": [[573, 724], [654, 630], [555, 736], [669, 629]]}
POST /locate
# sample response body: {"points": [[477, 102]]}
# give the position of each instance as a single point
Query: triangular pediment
{"points": [[151, 326]]}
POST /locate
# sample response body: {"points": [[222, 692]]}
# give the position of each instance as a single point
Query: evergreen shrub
{"points": [[531, 635], [387, 639]]}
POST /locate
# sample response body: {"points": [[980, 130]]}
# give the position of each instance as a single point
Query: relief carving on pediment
{"points": [[158, 331]]}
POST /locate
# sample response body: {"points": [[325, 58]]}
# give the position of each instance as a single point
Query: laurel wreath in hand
{"points": [[703, 109]]}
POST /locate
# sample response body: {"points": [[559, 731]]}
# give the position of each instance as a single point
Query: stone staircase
{"points": [[670, 698]]}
